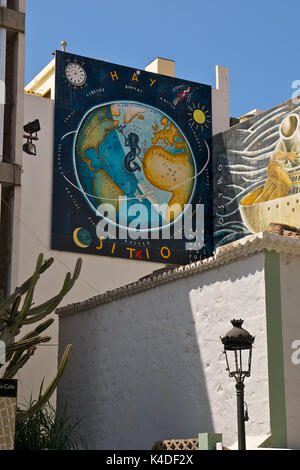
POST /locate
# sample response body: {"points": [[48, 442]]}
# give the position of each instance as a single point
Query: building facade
{"points": [[148, 363], [99, 274]]}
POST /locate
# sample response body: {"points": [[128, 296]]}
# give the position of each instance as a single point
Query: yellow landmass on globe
{"points": [[167, 134], [173, 173], [180, 145], [115, 110], [132, 112], [106, 190]]}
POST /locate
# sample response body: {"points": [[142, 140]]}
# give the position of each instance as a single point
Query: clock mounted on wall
{"points": [[75, 74]]}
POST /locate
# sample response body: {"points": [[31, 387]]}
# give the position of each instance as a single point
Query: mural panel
{"points": [[257, 174], [132, 163]]}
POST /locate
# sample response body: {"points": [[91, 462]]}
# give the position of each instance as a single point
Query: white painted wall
{"points": [[289, 278], [99, 273], [162, 66], [220, 101], [150, 366], [44, 82]]}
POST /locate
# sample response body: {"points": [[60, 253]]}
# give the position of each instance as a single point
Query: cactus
{"points": [[15, 313]]}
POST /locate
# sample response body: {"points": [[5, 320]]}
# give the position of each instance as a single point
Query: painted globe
{"points": [[133, 163]]}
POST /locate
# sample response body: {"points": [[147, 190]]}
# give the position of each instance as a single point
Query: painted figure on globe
{"points": [[131, 141]]}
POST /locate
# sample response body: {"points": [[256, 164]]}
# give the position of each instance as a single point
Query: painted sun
{"points": [[199, 117]]}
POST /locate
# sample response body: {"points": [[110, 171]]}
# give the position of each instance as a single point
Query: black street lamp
{"points": [[238, 352]]}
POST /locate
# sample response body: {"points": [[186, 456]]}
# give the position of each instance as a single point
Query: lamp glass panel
{"points": [[238, 360]]}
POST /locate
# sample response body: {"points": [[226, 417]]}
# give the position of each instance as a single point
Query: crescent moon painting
{"points": [[82, 237]]}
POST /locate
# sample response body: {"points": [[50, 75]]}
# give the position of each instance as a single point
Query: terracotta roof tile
{"points": [[285, 230]]}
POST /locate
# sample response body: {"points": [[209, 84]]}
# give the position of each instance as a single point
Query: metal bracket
{"points": [[12, 19], [10, 173]]}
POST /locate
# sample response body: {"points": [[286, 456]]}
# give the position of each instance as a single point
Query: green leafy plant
{"points": [[17, 311], [45, 430]]}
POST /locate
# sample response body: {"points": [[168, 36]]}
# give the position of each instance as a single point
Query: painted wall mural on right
{"points": [[257, 174]]}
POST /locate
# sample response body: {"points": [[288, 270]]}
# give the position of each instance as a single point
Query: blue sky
{"points": [[259, 41]]}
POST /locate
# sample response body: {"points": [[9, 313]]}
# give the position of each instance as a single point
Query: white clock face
{"points": [[75, 74]]}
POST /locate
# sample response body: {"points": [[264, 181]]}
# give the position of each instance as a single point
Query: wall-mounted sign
{"points": [[8, 404], [132, 163], [257, 174]]}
